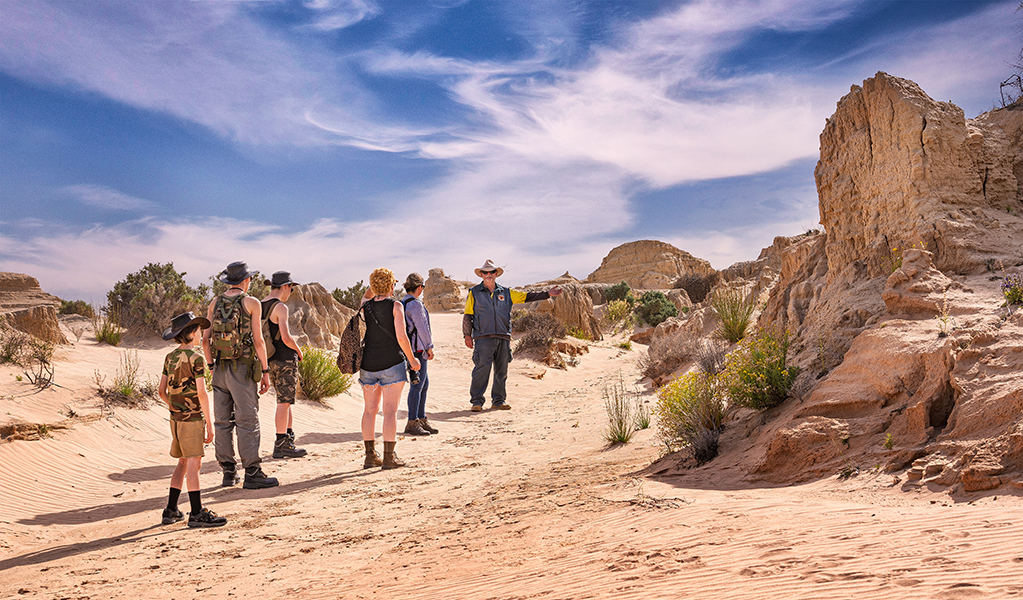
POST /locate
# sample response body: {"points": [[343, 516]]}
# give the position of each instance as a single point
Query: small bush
{"points": [[619, 291], [128, 388], [76, 307], [697, 286], [617, 311], [687, 409], [578, 333], [146, 301], [620, 419], [642, 414], [126, 380], [540, 330], [1012, 289], [626, 345], [22, 349], [710, 356], [735, 309], [667, 353], [755, 374], [655, 308], [319, 376], [107, 329], [350, 297]]}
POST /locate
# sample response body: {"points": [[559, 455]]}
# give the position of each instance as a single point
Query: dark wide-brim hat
{"points": [[489, 266], [181, 322], [235, 273], [280, 279]]}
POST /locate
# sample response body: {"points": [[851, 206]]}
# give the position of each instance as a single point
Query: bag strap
{"points": [[415, 332]]}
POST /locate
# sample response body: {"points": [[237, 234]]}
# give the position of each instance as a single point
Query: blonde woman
{"points": [[383, 372]]}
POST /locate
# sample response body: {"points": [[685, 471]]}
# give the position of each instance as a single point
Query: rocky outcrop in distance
{"points": [[314, 316], [26, 307], [648, 265], [442, 293]]}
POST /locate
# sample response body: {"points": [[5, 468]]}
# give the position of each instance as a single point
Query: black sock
{"points": [[281, 436], [193, 497], [172, 500], [290, 432]]}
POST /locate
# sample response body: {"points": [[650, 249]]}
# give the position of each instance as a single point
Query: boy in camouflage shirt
{"points": [[189, 405]]}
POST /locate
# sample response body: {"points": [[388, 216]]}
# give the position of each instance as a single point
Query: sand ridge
{"points": [[518, 504]]}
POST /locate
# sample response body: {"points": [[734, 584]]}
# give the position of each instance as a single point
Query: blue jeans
{"points": [[417, 391], [487, 352]]}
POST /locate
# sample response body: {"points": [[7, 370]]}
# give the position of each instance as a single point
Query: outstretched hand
{"points": [[555, 291]]}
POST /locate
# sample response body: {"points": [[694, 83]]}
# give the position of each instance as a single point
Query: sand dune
{"points": [[518, 504]]}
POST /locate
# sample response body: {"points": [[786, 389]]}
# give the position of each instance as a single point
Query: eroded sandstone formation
{"points": [[442, 293], [648, 265], [314, 316], [26, 307], [908, 357]]}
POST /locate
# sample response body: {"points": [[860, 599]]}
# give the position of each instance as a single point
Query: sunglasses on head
{"points": [[488, 272]]}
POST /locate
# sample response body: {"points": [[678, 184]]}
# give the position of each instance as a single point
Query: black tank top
{"points": [[282, 352], [381, 351]]}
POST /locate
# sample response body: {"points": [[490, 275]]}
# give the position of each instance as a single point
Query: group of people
{"points": [[397, 347]]}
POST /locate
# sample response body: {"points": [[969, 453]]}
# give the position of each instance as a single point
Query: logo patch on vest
{"points": [[500, 297]]}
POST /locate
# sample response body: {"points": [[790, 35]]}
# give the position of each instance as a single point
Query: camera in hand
{"points": [[413, 376]]}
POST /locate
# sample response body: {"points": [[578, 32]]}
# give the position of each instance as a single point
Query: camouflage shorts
{"points": [[284, 377]]}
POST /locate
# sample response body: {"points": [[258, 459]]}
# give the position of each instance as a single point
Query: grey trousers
{"points": [[235, 406]]}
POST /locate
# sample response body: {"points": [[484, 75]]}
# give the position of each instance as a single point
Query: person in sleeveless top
{"points": [[283, 363], [383, 372]]}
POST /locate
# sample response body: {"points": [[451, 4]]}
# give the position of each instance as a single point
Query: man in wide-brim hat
{"points": [[486, 326], [234, 349]]}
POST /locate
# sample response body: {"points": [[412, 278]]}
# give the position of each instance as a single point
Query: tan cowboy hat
{"points": [[489, 266]]}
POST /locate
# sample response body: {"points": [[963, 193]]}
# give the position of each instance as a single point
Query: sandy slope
{"points": [[519, 504]]}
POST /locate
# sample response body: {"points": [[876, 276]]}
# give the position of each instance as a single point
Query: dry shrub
{"points": [[710, 355], [735, 309], [697, 286], [668, 353], [22, 349], [539, 330], [690, 413]]}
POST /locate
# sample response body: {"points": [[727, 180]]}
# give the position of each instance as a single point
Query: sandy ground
{"points": [[527, 503]]}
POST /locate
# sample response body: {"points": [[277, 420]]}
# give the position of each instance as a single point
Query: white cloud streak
{"points": [[105, 198]]}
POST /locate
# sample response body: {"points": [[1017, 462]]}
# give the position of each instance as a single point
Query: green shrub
{"points": [[578, 333], [319, 375], [697, 286], [617, 311], [755, 374], [690, 413], [107, 329], [216, 287], [619, 291], [76, 307], [735, 309], [1012, 289], [655, 308], [350, 297], [621, 423], [145, 301]]}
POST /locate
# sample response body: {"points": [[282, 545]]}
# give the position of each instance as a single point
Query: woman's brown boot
{"points": [[372, 458], [391, 460]]}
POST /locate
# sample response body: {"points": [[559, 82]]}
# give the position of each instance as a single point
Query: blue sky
{"points": [[330, 137]]}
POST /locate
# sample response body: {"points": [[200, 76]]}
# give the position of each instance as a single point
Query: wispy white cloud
{"points": [[99, 196], [338, 14]]}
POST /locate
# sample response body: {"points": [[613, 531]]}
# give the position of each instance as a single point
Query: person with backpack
{"points": [[383, 369], [417, 325], [283, 354], [235, 351]]}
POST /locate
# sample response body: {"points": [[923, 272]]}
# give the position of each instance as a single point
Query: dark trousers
{"points": [[417, 392], [489, 352]]}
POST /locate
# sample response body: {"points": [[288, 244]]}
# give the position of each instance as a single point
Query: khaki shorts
{"points": [[187, 438], [284, 377]]}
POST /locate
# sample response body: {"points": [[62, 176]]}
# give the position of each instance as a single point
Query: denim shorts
{"points": [[395, 374]]}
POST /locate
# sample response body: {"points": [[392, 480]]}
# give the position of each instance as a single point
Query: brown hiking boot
{"points": [[476, 408], [502, 406], [372, 458], [415, 428], [426, 425], [391, 460]]}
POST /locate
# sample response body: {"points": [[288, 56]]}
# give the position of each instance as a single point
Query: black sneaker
{"points": [[172, 515], [256, 479], [285, 448], [206, 518]]}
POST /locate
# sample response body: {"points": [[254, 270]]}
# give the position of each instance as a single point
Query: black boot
{"points": [[256, 479], [285, 448], [231, 477]]}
